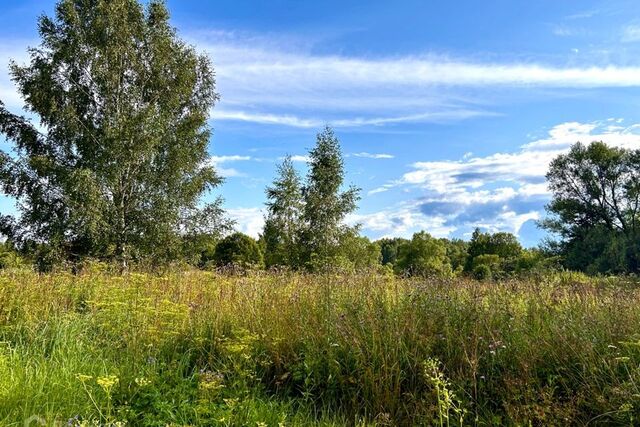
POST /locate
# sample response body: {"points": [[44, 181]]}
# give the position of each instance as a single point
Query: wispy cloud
{"points": [[373, 155], [300, 158], [227, 172], [271, 81], [294, 121], [267, 80], [584, 14]]}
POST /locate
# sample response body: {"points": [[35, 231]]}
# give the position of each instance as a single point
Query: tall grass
{"points": [[197, 348]]}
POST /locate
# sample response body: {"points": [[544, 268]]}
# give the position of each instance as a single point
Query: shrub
{"points": [[482, 272], [239, 250]]}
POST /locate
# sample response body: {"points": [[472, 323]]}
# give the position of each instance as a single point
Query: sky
{"points": [[448, 113]]}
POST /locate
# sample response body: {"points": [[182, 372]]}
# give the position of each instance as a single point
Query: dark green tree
{"points": [[594, 208], [283, 222], [389, 249], [122, 162], [238, 250], [325, 205]]}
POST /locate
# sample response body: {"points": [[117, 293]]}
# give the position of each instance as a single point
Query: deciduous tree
{"points": [[283, 222], [325, 204], [120, 162], [595, 205]]}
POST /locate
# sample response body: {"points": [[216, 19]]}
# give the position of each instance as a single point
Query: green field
{"points": [[199, 348]]}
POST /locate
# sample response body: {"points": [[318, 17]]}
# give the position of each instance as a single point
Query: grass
{"points": [[196, 348]]}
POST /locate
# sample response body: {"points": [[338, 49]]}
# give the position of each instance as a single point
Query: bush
{"points": [[482, 272], [238, 250]]}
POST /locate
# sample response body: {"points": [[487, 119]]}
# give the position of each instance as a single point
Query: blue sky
{"points": [[448, 112]]}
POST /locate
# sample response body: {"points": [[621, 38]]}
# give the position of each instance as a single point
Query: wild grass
{"points": [[198, 348]]}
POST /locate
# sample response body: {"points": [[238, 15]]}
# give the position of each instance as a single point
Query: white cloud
{"points": [[522, 167], [401, 222], [275, 81], [295, 121], [300, 158], [11, 49], [270, 80], [227, 172], [263, 118], [248, 220], [496, 192], [373, 155]]}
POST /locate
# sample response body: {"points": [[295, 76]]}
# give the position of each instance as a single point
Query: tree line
{"points": [[118, 168]]}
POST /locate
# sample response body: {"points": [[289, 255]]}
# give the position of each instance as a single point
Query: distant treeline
{"points": [[118, 167]]}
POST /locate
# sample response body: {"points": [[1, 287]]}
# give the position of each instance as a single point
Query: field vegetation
{"points": [[201, 348]]}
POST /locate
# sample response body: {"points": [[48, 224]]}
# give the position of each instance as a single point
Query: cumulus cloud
{"points": [[498, 192], [248, 220], [401, 221]]}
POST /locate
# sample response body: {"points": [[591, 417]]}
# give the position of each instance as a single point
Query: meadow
{"points": [[199, 348]]}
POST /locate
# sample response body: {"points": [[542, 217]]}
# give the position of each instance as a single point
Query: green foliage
{"points": [[325, 205], [238, 250], [123, 163], [500, 251], [536, 261], [482, 271], [457, 252], [9, 258], [304, 226], [423, 256], [358, 253], [389, 249], [504, 245], [594, 209], [283, 223], [490, 260]]}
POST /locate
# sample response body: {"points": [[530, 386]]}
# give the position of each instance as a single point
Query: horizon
{"points": [[447, 122]]}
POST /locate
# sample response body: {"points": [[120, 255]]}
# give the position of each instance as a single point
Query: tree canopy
{"points": [[594, 208], [120, 165]]}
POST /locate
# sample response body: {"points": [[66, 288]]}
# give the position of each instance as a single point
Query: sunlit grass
{"points": [[196, 348]]}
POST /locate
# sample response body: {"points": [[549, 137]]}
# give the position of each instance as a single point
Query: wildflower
{"points": [[141, 381], [84, 378], [72, 422], [261, 424], [107, 382]]}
